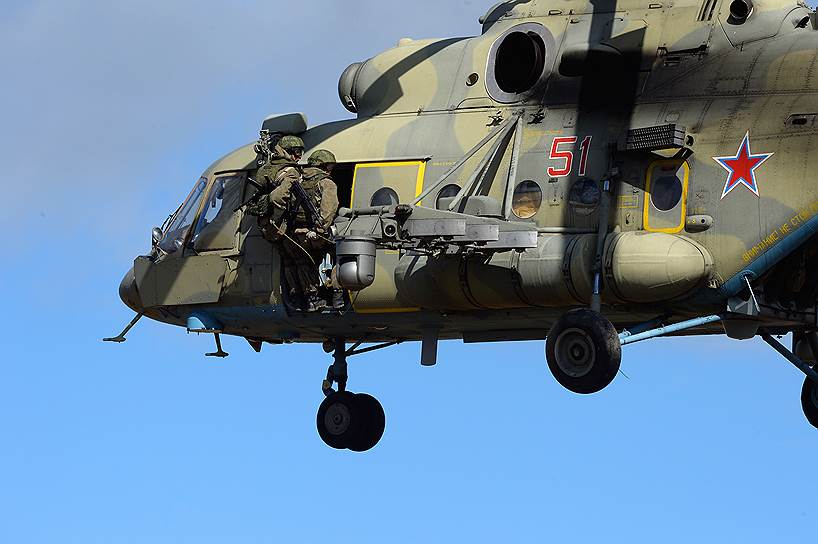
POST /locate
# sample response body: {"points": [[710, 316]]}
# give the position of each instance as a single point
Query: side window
{"points": [[527, 199], [666, 196], [217, 225], [386, 183], [385, 196], [445, 196]]}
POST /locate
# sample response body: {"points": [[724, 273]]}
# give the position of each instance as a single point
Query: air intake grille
{"points": [[655, 138]]}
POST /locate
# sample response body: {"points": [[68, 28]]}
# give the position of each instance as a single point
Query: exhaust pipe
{"points": [[740, 11]]}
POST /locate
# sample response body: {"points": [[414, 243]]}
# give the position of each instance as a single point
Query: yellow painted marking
{"points": [[628, 201], [788, 227], [387, 164], [648, 195], [421, 167], [419, 183]]}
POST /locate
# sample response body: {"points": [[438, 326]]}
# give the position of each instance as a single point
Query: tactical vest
{"points": [[262, 206], [310, 181]]}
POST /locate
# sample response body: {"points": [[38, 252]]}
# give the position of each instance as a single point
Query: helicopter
{"points": [[592, 174]]}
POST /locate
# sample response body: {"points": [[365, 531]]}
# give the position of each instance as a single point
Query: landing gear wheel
{"points": [[372, 423], [337, 420], [346, 420], [583, 351], [809, 401]]}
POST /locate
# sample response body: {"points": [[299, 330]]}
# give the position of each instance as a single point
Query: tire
{"points": [[372, 423], [337, 420], [809, 401], [583, 351]]}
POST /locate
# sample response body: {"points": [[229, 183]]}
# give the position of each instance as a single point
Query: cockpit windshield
{"points": [[183, 219]]}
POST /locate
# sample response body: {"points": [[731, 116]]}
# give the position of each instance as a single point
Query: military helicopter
{"points": [[594, 174]]}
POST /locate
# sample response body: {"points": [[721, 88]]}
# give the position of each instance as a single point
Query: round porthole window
{"points": [[449, 191], [666, 193], [385, 196], [518, 61], [584, 196], [527, 200]]}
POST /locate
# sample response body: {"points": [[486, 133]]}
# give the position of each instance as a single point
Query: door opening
{"points": [[343, 174]]}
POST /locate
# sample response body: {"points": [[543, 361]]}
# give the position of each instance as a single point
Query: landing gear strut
{"points": [[583, 348], [809, 392], [347, 420], [583, 351]]}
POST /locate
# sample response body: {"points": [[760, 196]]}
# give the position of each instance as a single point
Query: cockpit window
{"points": [[183, 219], [217, 225], [214, 204]]}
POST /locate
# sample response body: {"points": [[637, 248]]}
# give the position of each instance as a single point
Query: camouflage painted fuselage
{"points": [[746, 96]]}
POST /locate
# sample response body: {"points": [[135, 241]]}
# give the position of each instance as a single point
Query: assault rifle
{"points": [[302, 199]]}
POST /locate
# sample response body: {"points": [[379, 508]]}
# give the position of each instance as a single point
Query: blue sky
{"points": [[111, 111]]}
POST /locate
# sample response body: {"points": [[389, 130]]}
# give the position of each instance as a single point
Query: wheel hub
{"points": [[575, 353], [337, 419]]}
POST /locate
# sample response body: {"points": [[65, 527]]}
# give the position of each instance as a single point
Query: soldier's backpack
{"points": [[262, 207]]}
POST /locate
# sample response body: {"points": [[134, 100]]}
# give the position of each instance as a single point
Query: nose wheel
{"points": [[583, 351], [353, 421]]}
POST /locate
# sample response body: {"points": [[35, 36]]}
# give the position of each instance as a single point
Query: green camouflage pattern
{"points": [[323, 191], [321, 157], [291, 142], [424, 104], [266, 176]]}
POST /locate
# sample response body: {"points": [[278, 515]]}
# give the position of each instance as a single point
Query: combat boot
{"points": [[337, 299], [316, 303], [299, 302]]}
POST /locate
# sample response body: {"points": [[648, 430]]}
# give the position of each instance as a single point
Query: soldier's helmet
{"points": [[289, 143], [321, 157]]}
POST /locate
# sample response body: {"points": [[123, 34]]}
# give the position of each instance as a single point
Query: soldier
{"points": [[275, 175], [307, 239], [319, 183], [291, 149], [278, 172]]}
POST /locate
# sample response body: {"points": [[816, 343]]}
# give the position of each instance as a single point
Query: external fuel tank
{"points": [[639, 267]]}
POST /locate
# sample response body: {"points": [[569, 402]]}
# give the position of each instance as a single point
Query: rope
{"points": [[307, 253]]}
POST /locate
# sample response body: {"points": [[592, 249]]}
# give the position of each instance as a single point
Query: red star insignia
{"points": [[742, 167]]}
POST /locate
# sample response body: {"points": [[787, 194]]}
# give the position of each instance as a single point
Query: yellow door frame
{"points": [[388, 164], [649, 195], [421, 165]]}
